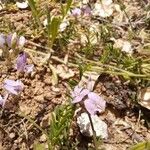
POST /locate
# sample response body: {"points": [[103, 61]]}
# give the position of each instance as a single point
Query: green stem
{"points": [[94, 133], [110, 69]]}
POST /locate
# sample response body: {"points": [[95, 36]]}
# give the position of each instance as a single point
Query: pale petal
{"points": [[13, 87], [10, 89], [90, 107], [28, 68], [21, 42], [14, 40], [2, 40], [8, 40], [21, 61], [76, 12]]}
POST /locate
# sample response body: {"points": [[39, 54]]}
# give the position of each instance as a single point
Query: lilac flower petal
{"points": [[10, 82], [78, 94], [2, 40], [90, 107], [10, 89], [94, 103], [100, 102], [86, 10], [76, 12], [13, 87], [11, 40], [28, 68], [8, 40], [76, 91], [21, 61]]}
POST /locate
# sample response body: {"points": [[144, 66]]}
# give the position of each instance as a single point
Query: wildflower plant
{"points": [[12, 87], [21, 64], [11, 45], [92, 101]]}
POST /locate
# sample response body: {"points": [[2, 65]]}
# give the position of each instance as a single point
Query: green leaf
{"points": [[54, 27], [35, 12], [141, 146], [69, 2], [38, 146]]}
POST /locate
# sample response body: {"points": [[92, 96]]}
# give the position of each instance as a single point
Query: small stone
{"points": [[55, 89], [25, 109], [45, 121], [48, 81], [47, 96], [39, 98], [22, 5], [12, 135], [43, 138], [100, 126]]}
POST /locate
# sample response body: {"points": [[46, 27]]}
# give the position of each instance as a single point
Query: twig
{"points": [[40, 46]]}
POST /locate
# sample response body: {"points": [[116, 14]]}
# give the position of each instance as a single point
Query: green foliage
{"points": [[59, 129], [58, 134], [35, 12], [53, 24], [65, 9], [141, 146], [39, 146]]}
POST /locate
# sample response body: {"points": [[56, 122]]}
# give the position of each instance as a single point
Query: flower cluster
{"points": [[21, 64], [92, 101], [85, 10], [12, 87], [11, 41]]}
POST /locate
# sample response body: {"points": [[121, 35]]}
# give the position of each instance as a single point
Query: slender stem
{"points": [[94, 133], [38, 127]]}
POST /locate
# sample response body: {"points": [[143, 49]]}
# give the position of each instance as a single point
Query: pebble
{"points": [[12, 135], [42, 138], [100, 126]]}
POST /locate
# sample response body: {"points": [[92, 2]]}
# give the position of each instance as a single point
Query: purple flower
{"points": [[22, 63], [3, 100], [2, 40], [28, 68], [78, 94], [13, 87], [92, 101], [86, 10], [76, 12], [11, 40]]}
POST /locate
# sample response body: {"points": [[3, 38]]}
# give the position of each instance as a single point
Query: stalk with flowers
{"points": [[91, 102]]}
